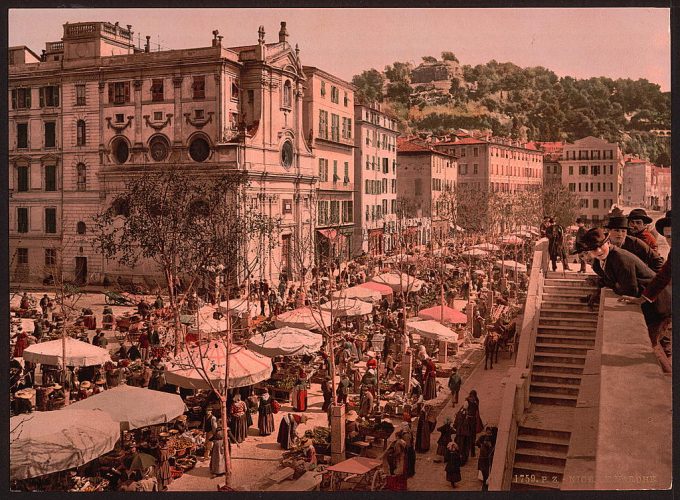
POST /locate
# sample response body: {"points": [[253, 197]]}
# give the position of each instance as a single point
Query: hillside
{"points": [[523, 103]]}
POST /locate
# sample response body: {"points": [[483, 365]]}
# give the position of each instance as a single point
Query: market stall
{"points": [[356, 473], [46, 442], [134, 407], [78, 353], [239, 307], [383, 290], [305, 318], [286, 341], [511, 265], [475, 252], [192, 366], [399, 281], [487, 247], [344, 307], [358, 292], [444, 314]]}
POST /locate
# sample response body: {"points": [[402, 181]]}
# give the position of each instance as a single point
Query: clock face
{"points": [[287, 154]]}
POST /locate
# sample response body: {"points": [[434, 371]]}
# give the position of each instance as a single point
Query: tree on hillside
{"points": [[399, 92], [398, 72], [369, 86], [429, 59], [449, 56]]}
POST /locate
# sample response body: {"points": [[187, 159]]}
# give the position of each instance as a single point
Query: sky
{"points": [[613, 42]]}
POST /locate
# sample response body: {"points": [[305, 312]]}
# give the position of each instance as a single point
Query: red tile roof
{"points": [[463, 141]]}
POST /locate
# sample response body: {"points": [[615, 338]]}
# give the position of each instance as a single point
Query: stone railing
{"points": [[516, 391]]}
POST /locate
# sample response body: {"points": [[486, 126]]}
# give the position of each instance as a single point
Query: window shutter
{"points": [[56, 95], [42, 97], [110, 92], [28, 98], [14, 98], [127, 91]]}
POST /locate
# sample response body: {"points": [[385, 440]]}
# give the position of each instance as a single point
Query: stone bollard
{"points": [[337, 433]]}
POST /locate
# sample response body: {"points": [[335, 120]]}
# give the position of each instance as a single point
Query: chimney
{"points": [[214, 40], [283, 33], [147, 47]]}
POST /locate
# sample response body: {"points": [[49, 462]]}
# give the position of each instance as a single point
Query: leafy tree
{"points": [[399, 92], [449, 56], [369, 86], [560, 203], [429, 59], [398, 72], [663, 160]]}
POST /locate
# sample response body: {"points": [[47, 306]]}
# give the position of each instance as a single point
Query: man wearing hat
{"points": [[617, 226], [637, 226], [555, 234], [84, 390], [544, 225], [580, 233], [626, 274]]}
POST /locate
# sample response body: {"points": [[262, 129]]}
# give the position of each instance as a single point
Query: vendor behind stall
{"points": [[309, 451]]}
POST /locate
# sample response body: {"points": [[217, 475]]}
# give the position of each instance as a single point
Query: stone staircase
{"points": [[566, 331]]}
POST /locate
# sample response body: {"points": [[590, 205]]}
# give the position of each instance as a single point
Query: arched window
{"points": [[81, 171], [81, 136], [120, 150], [287, 94], [81, 228]]}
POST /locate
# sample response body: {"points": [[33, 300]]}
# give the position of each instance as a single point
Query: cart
{"points": [[117, 299], [357, 474]]}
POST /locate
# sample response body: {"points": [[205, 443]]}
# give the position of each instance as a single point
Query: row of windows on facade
{"points": [[589, 154], [380, 120], [119, 93], [377, 212], [606, 203], [380, 186], [590, 187], [50, 257], [593, 170], [437, 185], [323, 171], [504, 187], [50, 135], [336, 133], [373, 163], [382, 141], [335, 94], [329, 211], [50, 219], [497, 152], [23, 177], [511, 170]]}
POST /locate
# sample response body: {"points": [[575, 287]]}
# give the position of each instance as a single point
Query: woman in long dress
{"points": [[239, 419], [430, 380], [446, 431], [163, 472], [427, 421], [453, 463], [217, 454], [265, 418]]}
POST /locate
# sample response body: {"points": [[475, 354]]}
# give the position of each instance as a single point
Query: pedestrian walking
{"points": [[446, 433], [453, 462], [454, 385], [555, 234], [217, 467], [265, 415]]}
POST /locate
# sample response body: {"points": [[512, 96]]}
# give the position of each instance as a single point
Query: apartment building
{"points": [[328, 116], [94, 111], [375, 174], [424, 178], [593, 168]]}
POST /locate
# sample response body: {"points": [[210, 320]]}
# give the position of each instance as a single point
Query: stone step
{"points": [[567, 306], [553, 388], [561, 348], [566, 322], [575, 330], [558, 357], [573, 291], [533, 452], [551, 338], [566, 282], [569, 275], [544, 435], [562, 378], [561, 313], [540, 443], [553, 367], [552, 399], [538, 469]]}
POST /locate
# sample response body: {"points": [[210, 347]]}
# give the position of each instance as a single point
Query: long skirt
{"points": [[163, 473], [265, 423], [301, 400], [240, 427], [430, 391], [217, 457]]}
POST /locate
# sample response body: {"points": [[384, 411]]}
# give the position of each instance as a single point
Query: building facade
{"points": [[426, 182], [375, 174], [663, 182], [328, 115], [94, 111], [593, 168], [640, 187]]}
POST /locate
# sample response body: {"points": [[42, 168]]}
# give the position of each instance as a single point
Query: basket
{"points": [[175, 473]]}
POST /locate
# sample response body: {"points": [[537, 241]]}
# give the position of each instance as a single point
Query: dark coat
{"points": [[555, 235], [660, 281], [626, 274], [647, 254], [453, 463]]}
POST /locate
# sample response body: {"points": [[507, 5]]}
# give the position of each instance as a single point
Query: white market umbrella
{"points": [[347, 307], [433, 329], [286, 341], [206, 321], [52, 441], [134, 407], [78, 353], [487, 247], [523, 234], [358, 292], [512, 240], [239, 307], [191, 367], [305, 318], [397, 281], [511, 265], [475, 252]]}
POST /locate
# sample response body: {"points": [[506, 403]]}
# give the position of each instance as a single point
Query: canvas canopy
{"points": [[384, 290], [488, 247], [512, 240], [134, 407], [191, 367], [347, 307], [475, 252], [207, 323], [52, 441], [511, 265], [78, 353], [433, 330], [358, 292], [303, 317], [286, 341], [450, 315], [239, 307], [398, 281]]}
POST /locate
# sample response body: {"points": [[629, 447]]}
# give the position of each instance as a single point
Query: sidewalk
{"points": [[430, 476]]}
